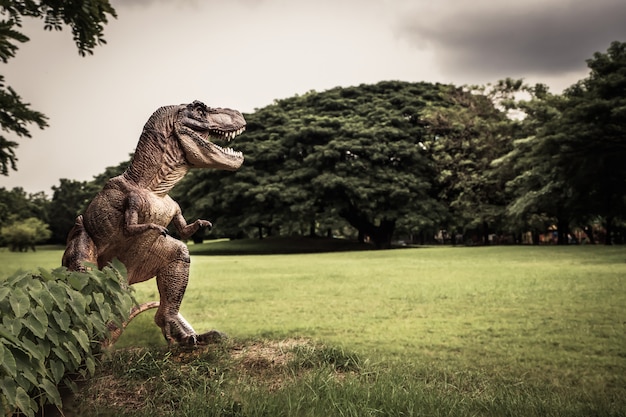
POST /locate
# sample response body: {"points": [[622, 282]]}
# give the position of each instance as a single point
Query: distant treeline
{"points": [[417, 162]]}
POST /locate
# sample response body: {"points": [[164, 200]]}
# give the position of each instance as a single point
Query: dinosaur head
{"points": [[198, 126]]}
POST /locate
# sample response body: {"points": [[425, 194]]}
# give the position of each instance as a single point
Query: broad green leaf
{"points": [[61, 353], [52, 333], [77, 281], [37, 322], [45, 300], [91, 365], [120, 269], [23, 401], [105, 312], [59, 294], [78, 303], [45, 274], [40, 314], [19, 280], [32, 349], [8, 361], [98, 299], [35, 326], [6, 333], [20, 302], [57, 369], [98, 324], [63, 320], [25, 375], [28, 374], [35, 285], [8, 386], [13, 325], [4, 291], [52, 391], [74, 352], [82, 339], [44, 347]]}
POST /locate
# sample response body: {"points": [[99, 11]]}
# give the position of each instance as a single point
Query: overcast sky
{"points": [[244, 54]]}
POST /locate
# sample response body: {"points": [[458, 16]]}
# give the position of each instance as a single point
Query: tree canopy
{"points": [[569, 166], [370, 156]]}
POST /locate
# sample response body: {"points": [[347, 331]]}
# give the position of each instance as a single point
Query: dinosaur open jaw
{"points": [[201, 151], [226, 151], [202, 132], [222, 135]]}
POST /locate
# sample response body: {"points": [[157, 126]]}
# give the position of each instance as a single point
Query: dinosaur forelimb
{"points": [[186, 230], [134, 205]]}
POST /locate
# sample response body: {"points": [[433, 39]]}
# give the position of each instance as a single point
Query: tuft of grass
{"points": [[261, 377]]}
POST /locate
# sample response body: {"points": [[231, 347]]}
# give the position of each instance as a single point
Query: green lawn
{"points": [[491, 322]]}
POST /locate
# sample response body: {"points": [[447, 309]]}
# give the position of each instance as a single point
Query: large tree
{"points": [[467, 133], [540, 194], [86, 18], [569, 167], [361, 155], [594, 136]]}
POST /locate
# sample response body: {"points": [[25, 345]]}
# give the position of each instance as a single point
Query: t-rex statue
{"points": [[128, 218]]}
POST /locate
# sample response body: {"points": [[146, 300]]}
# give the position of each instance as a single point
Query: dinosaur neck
{"points": [[157, 164], [159, 180]]}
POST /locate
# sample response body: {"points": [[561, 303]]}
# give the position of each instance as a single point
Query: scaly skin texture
{"points": [[128, 219]]}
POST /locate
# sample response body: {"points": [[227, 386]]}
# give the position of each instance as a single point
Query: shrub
{"points": [[22, 235], [52, 327]]}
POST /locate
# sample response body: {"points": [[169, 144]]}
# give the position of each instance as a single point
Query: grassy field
{"points": [[486, 331]]}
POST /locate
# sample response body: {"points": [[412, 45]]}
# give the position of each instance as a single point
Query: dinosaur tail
{"points": [[80, 248], [116, 332]]}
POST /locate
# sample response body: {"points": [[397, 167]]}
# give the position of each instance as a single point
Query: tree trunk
{"points": [[562, 226], [486, 233], [380, 235], [312, 229], [383, 233], [589, 233], [608, 238], [535, 237]]}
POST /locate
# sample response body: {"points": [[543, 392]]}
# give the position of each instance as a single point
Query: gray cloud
{"points": [[516, 39]]}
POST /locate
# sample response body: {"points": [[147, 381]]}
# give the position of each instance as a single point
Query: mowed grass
{"points": [[465, 331]]}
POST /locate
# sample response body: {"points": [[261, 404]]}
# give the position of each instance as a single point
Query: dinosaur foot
{"points": [[211, 337], [208, 338]]}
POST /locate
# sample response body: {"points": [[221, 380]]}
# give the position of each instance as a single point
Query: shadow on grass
{"points": [[278, 245]]}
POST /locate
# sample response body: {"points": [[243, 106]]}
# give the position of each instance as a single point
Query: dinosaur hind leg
{"points": [[172, 281], [80, 248]]}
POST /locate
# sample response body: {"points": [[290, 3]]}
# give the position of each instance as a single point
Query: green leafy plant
{"points": [[52, 327]]}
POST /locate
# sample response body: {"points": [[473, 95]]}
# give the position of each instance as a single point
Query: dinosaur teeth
{"points": [[230, 151]]}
